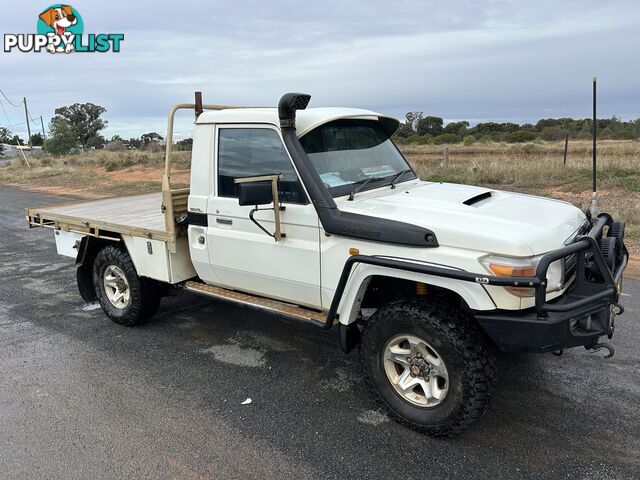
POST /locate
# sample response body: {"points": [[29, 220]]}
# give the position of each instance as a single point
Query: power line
{"points": [[32, 120], [5, 113], [12, 126], [10, 102], [18, 124], [29, 120]]}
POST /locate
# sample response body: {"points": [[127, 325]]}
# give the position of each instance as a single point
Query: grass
{"points": [[536, 168], [532, 165]]}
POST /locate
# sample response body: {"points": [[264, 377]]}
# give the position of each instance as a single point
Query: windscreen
{"points": [[350, 151]]}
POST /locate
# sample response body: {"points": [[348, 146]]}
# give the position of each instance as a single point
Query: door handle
{"points": [[224, 221]]}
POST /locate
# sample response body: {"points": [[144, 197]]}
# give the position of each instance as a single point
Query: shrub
{"points": [[120, 162], [552, 133], [468, 140], [446, 138], [521, 136], [421, 140], [155, 147], [115, 146]]}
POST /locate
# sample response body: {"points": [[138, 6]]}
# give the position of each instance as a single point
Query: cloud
{"points": [[498, 60]]}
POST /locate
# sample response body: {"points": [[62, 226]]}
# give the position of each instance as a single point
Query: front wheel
{"points": [[429, 366], [125, 297]]}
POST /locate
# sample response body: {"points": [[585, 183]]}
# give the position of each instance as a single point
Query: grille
{"points": [[569, 268], [571, 261]]}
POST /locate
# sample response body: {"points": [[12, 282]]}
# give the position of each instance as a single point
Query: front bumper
{"points": [[527, 332], [580, 317]]}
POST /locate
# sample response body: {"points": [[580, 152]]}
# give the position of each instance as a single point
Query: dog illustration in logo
{"points": [[59, 19]]}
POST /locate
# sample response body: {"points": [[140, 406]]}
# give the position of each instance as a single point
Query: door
{"points": [[243, 257]]}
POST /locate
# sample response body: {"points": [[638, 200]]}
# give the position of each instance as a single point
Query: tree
{"points": [[408, 128], [510, 127], [97, 142], [62, 139], [5, 135], [413, 118], [430, 126], [134, 143], [85, 122], [184, 145], [457, 128], [151, 141], [37, 139], [405, 130], [148, 138]]}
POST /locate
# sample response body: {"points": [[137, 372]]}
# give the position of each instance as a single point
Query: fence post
{"points": [[445, 160], [566, 146]]}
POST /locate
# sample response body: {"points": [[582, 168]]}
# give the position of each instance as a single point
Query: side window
{"points": [[247, 152]]}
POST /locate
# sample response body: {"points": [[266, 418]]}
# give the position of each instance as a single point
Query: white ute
{"points": [[314, 214]]}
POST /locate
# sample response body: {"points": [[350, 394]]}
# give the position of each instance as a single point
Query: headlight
{"points": [[524, 267]]}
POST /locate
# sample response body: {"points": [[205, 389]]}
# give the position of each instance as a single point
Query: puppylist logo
{"points": [[60, 29]]}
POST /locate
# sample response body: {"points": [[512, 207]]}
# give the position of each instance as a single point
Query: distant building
{"points": [[10, 151]]}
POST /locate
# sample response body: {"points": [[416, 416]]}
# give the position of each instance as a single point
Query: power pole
{"points": [[26, 114], [44, 135]]}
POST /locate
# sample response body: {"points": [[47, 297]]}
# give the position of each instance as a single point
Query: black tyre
{"points": [[430, 367], [608, 249], [616, 230], [125, 297]]}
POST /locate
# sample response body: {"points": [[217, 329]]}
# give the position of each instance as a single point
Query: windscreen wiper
{"points": [[361, 184], [398, 176]]}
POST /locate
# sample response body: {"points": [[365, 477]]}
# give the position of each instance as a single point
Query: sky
{"points": [[476, 60]]}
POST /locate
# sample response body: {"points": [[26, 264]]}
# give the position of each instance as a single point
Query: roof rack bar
{"points": [[171, 121], [198, 107]]}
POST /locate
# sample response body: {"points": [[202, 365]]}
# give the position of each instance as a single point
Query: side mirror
{"points": [[255, 193], [261, 190]]}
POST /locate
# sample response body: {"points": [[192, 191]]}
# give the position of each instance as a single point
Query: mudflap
{"points": [[84, 277], [349, 336]]}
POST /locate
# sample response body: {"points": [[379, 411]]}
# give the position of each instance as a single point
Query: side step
{"points": [[261, 303]]}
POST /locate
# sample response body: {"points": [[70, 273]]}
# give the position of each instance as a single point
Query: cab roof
{"points": [[306, 120]]}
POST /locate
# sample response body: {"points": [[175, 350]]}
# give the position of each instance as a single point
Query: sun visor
{"points": [[389, 124]]}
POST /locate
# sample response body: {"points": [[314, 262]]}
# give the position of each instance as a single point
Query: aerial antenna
{"points": [[593, 206]]}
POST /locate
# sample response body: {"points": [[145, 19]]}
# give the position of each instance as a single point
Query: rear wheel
{"points": [[125, 297], [429, 366]]}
